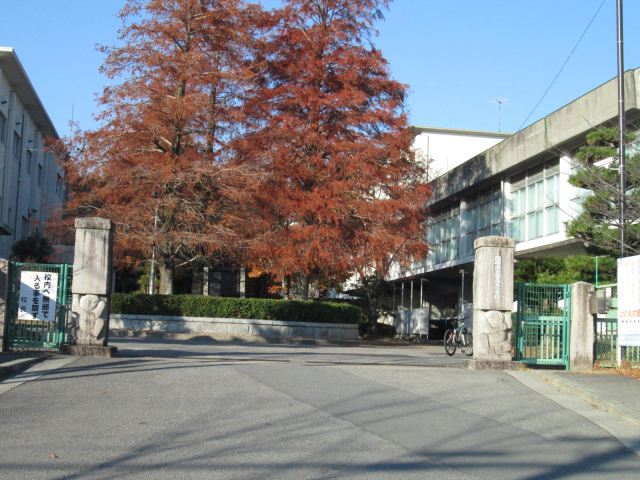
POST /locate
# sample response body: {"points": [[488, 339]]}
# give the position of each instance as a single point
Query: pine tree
{"points": [[598, 224]]}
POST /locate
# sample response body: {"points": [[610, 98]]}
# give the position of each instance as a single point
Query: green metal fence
{"points": [[36, 317], [542, 324]]}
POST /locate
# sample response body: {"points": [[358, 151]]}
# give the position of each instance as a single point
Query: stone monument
{"points": [[492, 300], [91, 286]]}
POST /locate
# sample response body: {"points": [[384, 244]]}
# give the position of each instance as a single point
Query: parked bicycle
{"points": [[458, 338]]}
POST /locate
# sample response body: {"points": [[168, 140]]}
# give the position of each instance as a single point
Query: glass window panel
{"points": [[531, 200], [552, 194], [520, 231], [539, 194], [496, 211], [553, 224], [532, 226]]}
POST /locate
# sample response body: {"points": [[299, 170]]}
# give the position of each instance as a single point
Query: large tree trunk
{"points": [[304, 287], [166, 277]]}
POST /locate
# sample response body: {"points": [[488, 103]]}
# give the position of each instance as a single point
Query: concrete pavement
{"points": [[231, 410], [12, 363]]}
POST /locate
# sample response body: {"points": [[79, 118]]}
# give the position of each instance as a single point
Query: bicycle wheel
{"points": [[450, 342], [468, 348]]}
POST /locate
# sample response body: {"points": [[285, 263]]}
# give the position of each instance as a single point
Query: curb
{"points": [[593, 399], [19, 365]]}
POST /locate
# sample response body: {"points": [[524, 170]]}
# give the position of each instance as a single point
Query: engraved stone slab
{"points": [[493, 273], [92, 258]]}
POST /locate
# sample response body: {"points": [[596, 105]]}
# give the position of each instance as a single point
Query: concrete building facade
{"points": [[517, 188], [31, 181]]}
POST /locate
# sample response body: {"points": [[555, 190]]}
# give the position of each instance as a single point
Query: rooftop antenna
{"points": [[501, 103]]}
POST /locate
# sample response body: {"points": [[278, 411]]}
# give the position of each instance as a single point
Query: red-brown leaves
{"points": [[167, 121], [275, 139], [329, 134]]}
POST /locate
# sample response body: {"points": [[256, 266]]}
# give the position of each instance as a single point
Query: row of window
{"points": [[17, 149], [535, 213], [534, 204]]}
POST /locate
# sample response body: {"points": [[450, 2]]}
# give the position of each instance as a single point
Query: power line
{"points": [[573, 50]]}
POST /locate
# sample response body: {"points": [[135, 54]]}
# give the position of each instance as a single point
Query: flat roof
{"points": [[19, 81], [460, 131]]}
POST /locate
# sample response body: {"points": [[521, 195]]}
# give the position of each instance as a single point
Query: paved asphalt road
{"points": [[260, 411]]}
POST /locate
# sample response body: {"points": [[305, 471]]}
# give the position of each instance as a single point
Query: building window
{"points": [[481, 217], [29, 160], [535, 200], [442, 236], [40, 175], [17, 145], [3, 128]]}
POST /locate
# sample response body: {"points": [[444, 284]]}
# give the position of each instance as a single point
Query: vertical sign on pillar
{"points": [[628, 303]]}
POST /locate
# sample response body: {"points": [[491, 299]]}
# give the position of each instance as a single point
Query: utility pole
{"points": [[621, 125]]}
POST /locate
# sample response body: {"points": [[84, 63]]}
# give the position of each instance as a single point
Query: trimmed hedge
{"points": [[226, 307]]}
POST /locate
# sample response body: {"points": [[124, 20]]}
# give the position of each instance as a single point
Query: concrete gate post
{"points": [[92, 286], [492, 300], [581, 331]]}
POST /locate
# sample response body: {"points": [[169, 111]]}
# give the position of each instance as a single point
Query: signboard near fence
{"points": [[628, 303], [38, 296]]}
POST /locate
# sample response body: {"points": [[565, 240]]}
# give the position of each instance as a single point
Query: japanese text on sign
{"points": [[38, 296]]}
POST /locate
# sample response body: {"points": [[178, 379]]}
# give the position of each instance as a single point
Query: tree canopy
{"points": [[275, 140], [564, 270], [159, 165], [340, 192], [598, 224]]}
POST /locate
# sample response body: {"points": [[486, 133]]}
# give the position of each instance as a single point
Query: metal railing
{"points": [[24, 331], [542, 324]]}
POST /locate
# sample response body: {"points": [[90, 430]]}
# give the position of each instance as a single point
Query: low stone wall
{"points": [[233, 327]]}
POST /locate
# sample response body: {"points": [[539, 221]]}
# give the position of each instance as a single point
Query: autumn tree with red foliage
{"points": [[340, 192], [159, 165]]}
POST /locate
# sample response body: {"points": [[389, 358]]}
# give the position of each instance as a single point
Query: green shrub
{"points": [[224, 307]]}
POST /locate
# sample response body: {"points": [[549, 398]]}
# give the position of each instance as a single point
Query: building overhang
{"points": [[565, 248], [20, 83], [563, 129]]}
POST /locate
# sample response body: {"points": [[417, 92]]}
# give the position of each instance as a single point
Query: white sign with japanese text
{"points": [[38, 296], [629, 301]]}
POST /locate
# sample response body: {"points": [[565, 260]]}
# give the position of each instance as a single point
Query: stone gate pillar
{"points": [[92, 283], [581, 331], [492, 300]]}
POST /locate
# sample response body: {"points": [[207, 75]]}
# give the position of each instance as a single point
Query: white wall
{"points": [[444, 150]]}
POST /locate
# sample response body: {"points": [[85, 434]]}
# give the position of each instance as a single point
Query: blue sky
{"points": [[455, 55]]}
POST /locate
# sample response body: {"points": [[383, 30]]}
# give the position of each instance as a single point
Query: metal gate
{"points": [[542, 324], [37, 303]]}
